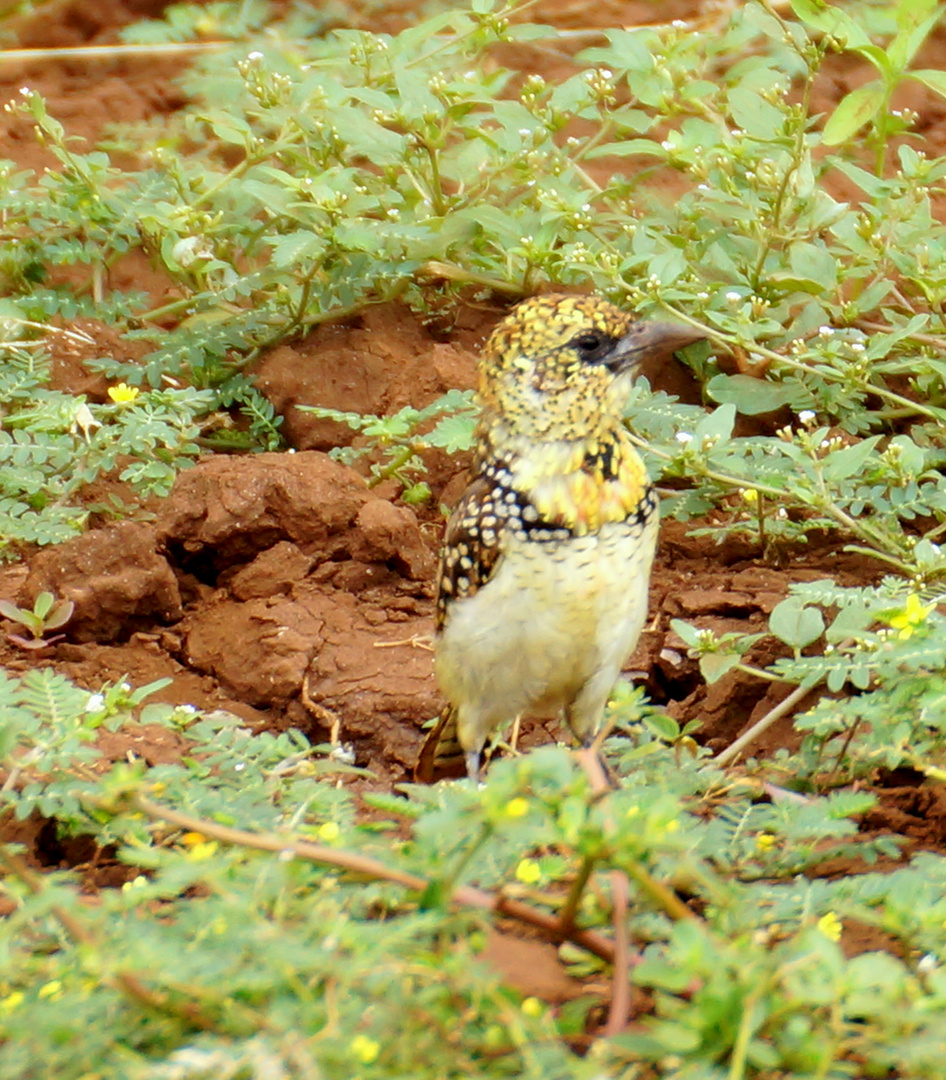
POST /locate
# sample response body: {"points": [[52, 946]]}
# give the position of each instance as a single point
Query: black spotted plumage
{"points": [[542, 589]]}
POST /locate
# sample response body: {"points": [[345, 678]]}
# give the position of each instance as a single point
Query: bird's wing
{"points": [[471, 548], [471, 553]]}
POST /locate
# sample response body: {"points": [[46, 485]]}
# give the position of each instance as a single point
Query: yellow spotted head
{"points": [[559, 367]]}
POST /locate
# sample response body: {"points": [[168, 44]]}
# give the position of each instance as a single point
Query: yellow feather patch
{"points": [[584, 501]]}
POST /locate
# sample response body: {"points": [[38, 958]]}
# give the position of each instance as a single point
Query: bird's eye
{"points": [[592, 346]]}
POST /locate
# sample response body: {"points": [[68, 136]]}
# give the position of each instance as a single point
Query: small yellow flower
{"points": [[200, 852], [528, 871], [192, 839], [364, 1049], [764, 841], [749, 495], [50, 990], [11, 1001], [830, 926], [123, 394], [531, 1006], [518, 807], [913, 614], [329, 832]]}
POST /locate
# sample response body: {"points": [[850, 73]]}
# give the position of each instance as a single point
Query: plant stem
{"points": [[729, 755], [566, 916], [463, 895]]}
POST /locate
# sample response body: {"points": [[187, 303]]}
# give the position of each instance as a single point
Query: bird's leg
{"points": [[592, 746], [514, 737], [473, 766]]}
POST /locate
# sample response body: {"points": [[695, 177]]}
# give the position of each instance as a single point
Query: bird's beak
{"points": [[651, 339]]}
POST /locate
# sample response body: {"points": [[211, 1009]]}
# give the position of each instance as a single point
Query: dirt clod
{"points": [[116, 577], [226, 511], [259, 650]]}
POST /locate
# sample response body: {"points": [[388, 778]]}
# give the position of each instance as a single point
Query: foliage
{"points": [[47, 614], [281, 964], [401, 440], [315, 172]]}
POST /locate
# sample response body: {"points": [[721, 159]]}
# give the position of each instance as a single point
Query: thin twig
{"points": [[464, 895], [620, 1010], [729, 755], [111, 52]]}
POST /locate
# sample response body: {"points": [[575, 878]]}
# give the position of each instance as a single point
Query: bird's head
{"points": [[559, 367]]}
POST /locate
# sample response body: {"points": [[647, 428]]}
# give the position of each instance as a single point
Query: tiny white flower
{"points": [[684, 437], [825, 331], [806, 416], [678, 24], [857, 346], [189, 250], [733, 297], [25, 91], [95, 702], [254, 55]]}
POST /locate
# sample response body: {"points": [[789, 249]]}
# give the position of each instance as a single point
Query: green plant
{"points": [[269, 924], [47, 614], [400, 438], [871, 103]]}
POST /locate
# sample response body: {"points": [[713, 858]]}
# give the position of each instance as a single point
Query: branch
{"points": [[462, 895]]}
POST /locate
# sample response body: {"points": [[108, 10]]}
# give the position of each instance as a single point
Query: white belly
{"points": [[549, 631]]}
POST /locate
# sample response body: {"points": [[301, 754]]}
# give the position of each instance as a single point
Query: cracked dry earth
{"points": [[278, 586]]}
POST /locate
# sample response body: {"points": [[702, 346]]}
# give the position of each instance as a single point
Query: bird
{"points": [[544, 574]]}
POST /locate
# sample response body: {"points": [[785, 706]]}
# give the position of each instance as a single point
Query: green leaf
{"points": [[43, 604], [754, 114], [832, 20], [934, 80], [713, 666], [689, 634], [748, 394], [716, 426], [296, 247], [453, 434], [815, 263], [914, 30], [844, 463], [796, 624], [629, 148], [853, 112]]}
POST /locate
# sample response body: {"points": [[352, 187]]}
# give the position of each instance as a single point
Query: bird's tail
{"points": [[441, 755]]}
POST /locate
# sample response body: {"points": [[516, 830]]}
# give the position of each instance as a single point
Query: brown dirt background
{"points": [[278, 586]]}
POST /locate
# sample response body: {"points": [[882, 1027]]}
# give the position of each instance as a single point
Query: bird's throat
{"points": [[580, 485]]}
